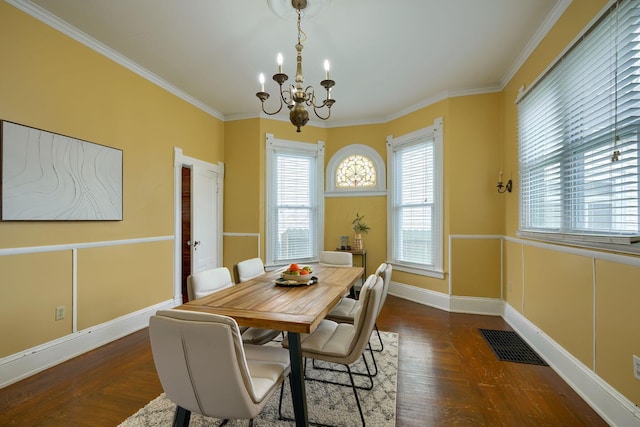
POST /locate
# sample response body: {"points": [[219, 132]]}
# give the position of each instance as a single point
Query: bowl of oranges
{"points": [[296, 273]]}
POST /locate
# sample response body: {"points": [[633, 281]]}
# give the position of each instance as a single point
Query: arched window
{"points": [[355, 170]]}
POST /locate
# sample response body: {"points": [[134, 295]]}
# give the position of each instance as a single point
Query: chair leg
{"points": [[355, 393], [251, 422], [379, 339], [280, 403], [181, 417], [362, 374]]}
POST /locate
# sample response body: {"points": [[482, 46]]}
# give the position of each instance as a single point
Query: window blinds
{"points": [[294, 213], [578, 135], [413, 206]]}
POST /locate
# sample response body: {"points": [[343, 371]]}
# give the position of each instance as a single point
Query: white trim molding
{"points": [[613, 407], [450, 303], [28, 362]]}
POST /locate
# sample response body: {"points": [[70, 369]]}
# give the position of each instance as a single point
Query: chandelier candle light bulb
{"points": [[279, 63], [326, 69]]}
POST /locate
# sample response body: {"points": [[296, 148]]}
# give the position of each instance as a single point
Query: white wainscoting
{"points": [[28, 362], [613, 407]]}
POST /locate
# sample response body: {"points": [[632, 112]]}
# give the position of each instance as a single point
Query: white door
{"points": [[204, 218]]}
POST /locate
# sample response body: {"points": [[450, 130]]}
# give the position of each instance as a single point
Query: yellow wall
{"points": [[51, 82], [475, 268]]}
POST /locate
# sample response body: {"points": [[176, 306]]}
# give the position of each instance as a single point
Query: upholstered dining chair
{"points": [[205, 368], [346, 309], [248, 269], [344, 343], [336, 259], [209, 281]]}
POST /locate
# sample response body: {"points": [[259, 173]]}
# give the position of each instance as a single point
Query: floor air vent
{"points": [[508, 346]]}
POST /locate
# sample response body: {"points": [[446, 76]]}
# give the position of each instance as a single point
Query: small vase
{"points": [[357, 242]]}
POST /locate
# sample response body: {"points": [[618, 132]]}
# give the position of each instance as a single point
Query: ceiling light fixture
{"points": [[297, 96]]}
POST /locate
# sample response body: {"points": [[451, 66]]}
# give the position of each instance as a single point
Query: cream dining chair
{"points": [[344, 343], [209, 281], [248, 269], [346, 309], [205, 368], [336, 259]]}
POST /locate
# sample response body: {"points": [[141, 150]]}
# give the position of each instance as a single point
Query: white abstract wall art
{"points": [[52, 177]]}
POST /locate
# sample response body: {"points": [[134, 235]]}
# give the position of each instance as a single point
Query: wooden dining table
{"points": [[260, 302]]}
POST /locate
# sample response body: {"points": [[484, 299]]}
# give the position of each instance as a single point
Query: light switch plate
{"points": [[636, 367]]}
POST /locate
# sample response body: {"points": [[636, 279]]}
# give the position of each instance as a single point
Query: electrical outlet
{"points": [[60, 312]]}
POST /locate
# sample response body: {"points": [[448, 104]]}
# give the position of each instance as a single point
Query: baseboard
{"points": [[420, 295], [477, 305], [21, 365], [613, 407], [457, 304]]}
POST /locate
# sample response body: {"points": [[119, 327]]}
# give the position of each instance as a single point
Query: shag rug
{"points": [[326, 403]]}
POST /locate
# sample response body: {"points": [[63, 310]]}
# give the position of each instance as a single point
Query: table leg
{"points": [[298, 390]]}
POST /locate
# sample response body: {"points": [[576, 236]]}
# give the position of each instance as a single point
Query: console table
{"points": [[363, 256]]}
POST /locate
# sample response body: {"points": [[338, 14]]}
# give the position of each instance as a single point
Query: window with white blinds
{"points": [[578, 137], [415, 201], [294, 201]]}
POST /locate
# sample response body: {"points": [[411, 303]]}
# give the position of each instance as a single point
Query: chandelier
{"points": [[297, 96]]}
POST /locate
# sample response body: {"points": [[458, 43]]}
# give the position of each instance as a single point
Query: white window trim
{"points": [[273, 143], [435, 131], [336, 160]]}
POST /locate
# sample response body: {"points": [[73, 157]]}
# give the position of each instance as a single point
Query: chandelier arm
{"points": [[315, 110], [263, 96], [275, 112], [311, 100]]}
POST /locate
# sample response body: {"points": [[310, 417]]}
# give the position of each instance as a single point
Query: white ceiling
{"points": [[387, 57]]}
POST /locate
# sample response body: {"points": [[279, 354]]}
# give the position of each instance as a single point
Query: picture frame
{"points": [[47, 176]]}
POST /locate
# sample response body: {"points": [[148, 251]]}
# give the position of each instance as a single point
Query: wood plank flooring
{"points": [[447, 376]]}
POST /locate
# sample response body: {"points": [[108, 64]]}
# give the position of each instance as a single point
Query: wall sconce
{"points": [[504, 187]]}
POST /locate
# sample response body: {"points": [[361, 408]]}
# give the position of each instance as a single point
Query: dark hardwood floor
{"points": [[447, 376]]}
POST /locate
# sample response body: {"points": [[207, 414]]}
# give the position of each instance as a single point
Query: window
{"points": [[578, 138], [356, 170], [294, 201], [415, 201]]}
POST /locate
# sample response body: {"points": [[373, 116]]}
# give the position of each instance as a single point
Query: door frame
{"points": [[180, 161]]}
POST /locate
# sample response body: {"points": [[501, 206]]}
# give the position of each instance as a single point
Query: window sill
{"points": [[600, 243], [421, 271], [355, 193]]}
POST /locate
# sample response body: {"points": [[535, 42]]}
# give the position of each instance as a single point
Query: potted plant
{"points": [[360, 228]]}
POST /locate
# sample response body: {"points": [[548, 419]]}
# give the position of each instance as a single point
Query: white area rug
{"points": [[327, 404]]}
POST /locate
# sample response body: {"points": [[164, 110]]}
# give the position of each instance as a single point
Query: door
{"points": [[204, 215]]}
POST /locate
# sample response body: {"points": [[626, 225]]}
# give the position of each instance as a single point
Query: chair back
{"points": [[201, 363], [386, 277], [336, 259], [207, 282], [365, 316], [248, 269]]}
